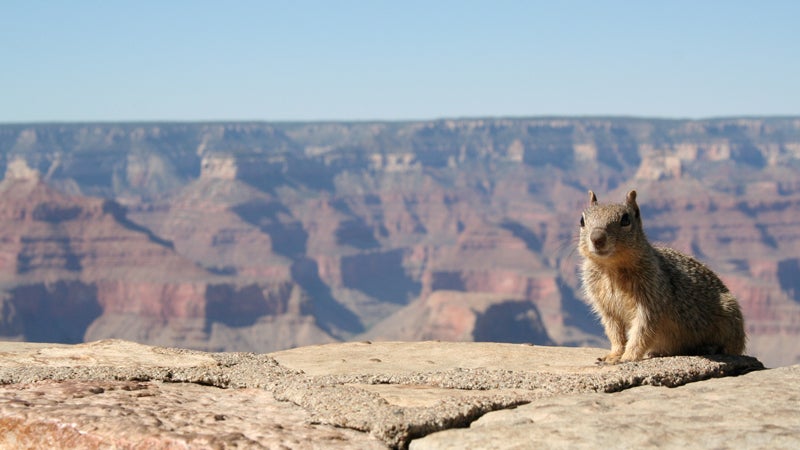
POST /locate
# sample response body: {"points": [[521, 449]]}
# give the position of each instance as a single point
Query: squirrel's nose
{"points": [[599, 238]]}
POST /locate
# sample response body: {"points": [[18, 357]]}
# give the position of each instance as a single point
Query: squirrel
{"points": [[652, 301]]}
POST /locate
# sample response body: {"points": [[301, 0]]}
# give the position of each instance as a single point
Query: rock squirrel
{"points": [[653, 301]]}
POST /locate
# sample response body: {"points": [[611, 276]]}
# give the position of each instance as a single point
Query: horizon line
{"points": [[406, 120]]}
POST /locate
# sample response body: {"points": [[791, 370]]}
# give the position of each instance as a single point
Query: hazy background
{"points": [[345, 60]]}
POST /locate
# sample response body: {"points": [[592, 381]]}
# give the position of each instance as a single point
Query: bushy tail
{"points": [[733, 335]]}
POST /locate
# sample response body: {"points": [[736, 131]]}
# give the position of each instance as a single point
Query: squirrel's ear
{"points": [[592, 198], [631, 201]]}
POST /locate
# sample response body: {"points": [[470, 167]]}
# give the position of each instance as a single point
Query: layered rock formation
{"points": [[76, 268], [257, 237]]}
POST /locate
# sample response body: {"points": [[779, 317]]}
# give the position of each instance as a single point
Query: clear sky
{"points": [[372, 59]]}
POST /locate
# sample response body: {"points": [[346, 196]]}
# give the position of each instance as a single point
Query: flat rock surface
{"points": [[129, 414], [110, 352], [403, 358], [757, 410], [390, 392]]}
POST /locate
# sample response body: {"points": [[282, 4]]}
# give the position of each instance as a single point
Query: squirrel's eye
{"points": [[583, 223], [625, 221]]}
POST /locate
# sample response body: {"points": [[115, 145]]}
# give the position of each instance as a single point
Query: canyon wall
{"points": [[263, 236]]}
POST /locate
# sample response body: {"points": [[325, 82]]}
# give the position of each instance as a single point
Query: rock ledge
{"points": [[115, 393]]}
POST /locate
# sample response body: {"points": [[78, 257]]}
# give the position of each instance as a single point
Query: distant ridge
{"points": [[304, 232]]}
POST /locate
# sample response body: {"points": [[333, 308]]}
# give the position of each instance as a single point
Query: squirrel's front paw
{"points": [[611, 358], [632, 356]]}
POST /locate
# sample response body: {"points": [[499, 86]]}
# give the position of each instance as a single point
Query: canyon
{"points": [[266, 236]]}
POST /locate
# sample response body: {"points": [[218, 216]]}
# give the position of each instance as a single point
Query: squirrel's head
{"points": [[611, 233]]}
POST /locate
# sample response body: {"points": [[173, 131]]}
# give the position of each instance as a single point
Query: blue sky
{"points": [[381, 60]]}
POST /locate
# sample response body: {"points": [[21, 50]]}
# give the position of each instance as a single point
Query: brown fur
{"points": [[652, 301]]}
